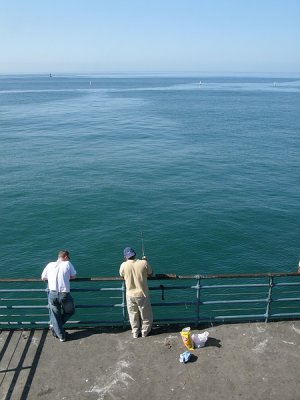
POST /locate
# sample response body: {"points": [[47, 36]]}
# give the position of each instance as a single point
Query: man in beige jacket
{"points": [[135, 272]]}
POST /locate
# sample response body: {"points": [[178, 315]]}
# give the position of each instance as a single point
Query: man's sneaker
{"points": [[65, 338], [135, 335]]}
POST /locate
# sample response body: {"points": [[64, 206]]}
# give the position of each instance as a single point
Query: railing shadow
{"points": [[82, 333], [5, 345], [11, 374]]}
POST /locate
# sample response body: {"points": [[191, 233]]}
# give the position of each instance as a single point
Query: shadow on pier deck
{"points": [[240, 361]]}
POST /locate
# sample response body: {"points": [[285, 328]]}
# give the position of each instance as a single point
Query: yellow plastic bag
{"points": [[186, 338]]}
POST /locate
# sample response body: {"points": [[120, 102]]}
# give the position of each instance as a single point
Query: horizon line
{"points": [[155, 73]]}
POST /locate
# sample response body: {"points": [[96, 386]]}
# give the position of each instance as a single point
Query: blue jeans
{"points": [[61, 307]]}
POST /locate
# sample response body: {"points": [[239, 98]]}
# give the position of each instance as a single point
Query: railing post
{"points": [[124, 304], [269, 299], [198, 286]]}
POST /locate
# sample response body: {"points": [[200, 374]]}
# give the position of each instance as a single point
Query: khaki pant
{"points": [[140, 314]]}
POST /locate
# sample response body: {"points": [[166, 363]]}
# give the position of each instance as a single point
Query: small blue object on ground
{"points": [[184, 357]]}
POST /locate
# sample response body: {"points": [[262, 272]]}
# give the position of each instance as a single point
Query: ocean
{"points": [[201, 171]]}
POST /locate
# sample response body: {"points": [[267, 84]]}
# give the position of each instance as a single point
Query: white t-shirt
{"points": [[58, 275]]}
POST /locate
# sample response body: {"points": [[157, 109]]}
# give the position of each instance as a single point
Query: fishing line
{"points": [[143, 247]]}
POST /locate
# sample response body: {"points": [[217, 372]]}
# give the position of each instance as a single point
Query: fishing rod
{"points": [[144, 258], [143, 247]]}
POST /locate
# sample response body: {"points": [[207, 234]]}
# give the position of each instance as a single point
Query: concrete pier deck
{"points": [[240, 361]]}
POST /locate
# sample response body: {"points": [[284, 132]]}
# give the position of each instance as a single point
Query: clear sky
{"points": [[149, 36]]}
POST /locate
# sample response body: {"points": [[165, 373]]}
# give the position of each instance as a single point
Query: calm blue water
{"points": [[209, 173]]}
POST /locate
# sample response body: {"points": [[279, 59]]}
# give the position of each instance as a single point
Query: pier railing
{"points": [[192, 299]]}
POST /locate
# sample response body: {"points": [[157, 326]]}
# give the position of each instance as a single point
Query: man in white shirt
{"points": [[60, 301]]}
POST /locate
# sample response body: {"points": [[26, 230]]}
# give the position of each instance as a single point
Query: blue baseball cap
{"points": [[129, 252]]}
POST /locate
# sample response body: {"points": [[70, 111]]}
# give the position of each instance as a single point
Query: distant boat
{"points": [[198, 83], [50, 76]]}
